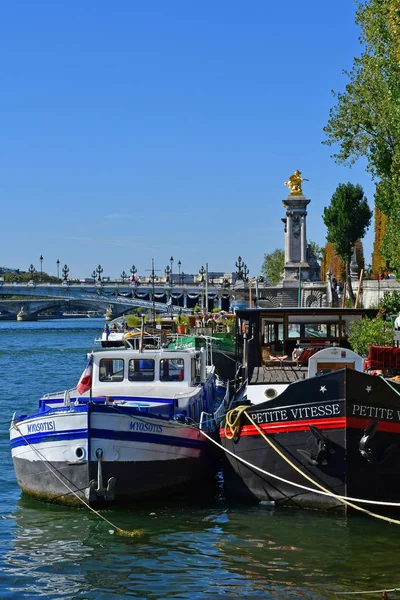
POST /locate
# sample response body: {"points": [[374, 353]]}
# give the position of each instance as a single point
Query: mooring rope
{"points": [[303, 487], [53, 470]]}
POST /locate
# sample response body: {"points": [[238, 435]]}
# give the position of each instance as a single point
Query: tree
{"points": [[273, 265], [347, 219], [367, 332], [366, 119]]}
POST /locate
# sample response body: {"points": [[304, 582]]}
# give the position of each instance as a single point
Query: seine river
{"points": [[188, 549]]}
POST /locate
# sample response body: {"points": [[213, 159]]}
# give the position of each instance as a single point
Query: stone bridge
{"points": [[114, 298]]}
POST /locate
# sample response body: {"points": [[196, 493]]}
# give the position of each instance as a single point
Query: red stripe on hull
{"points": [[334, 423]]}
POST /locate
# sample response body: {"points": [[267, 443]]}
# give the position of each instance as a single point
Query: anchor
{"points": [[371, 455], [92, 493], [323, 443]]}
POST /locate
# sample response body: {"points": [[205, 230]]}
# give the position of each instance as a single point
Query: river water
{"points": [[191, 548]]}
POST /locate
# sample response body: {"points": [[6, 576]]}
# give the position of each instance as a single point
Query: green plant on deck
{"points": [[370, 332], [390, 303], [197, 309], [183, 320]]}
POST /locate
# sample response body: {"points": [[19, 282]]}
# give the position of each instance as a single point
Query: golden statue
{"points": [[294, 184]]}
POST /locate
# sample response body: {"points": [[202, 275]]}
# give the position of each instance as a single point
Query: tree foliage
{"points": [[347, 218], [367, 332], [366, 119], [390, 303], [273, 265], [378, 261]]}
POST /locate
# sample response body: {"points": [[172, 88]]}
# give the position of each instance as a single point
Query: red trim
{"points": [[333, 423]]}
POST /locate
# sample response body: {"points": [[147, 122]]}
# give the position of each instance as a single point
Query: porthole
{"points": [[270, 393], [80, 453]]}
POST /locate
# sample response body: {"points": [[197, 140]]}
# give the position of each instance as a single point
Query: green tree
{"points": [[367, 332], [347, 218], [273, 265], [366, 119]]}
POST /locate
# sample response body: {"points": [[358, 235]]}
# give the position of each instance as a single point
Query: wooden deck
{"points": [[278, 373]]}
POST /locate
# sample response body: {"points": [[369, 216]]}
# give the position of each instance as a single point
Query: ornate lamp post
{"points": [[41, 267], [124, 276], [99, 271], [179, 271], [245, 272], [168, 274], [171, 260], [32, 271], [58, 268], [65, 271], [133, 272], [182, 278], [239, 266], [201, 272], [93, 276]]}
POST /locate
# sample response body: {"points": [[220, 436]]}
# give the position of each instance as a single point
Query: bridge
{"points": [[115, 298]]}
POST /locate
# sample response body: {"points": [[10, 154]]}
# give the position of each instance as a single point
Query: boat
{"points": [[130, 429], [313, 428], [218, 337], [113, 334]]}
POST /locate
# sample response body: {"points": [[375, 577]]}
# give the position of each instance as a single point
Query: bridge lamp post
{"points": [[124, 276], [93, 276], [182, 278], [41, 267], [32, 272], [65, 271], [179, 271], [99, 271], [245, 272], [133, 272], [239, 265], [171, 260], [58, 269], [168, 274]]}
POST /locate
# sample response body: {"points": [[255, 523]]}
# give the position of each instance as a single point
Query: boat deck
{"points": [[277, 373]]}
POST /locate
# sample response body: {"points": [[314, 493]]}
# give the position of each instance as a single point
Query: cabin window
{"points": [[141, 369], [315, 330], [111, 369], [171, 369]]}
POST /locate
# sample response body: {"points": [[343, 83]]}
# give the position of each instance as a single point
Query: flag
{"points": [[85, 382]]}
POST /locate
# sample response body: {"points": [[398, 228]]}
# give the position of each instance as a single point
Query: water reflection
{"points": [[195, 552]]}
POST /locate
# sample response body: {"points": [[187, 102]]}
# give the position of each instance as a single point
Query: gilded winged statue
{"points": [[294, 183]]}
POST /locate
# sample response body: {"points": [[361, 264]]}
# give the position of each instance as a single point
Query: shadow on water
{"points": [[195, 549]]}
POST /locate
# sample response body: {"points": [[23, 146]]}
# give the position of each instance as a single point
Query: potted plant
{"points": [[183, 322]]}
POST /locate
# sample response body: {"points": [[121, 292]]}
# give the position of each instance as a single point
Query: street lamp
{"points": [[133, 271], [65, 271], [168, 274], [58, 269], [239, 265], [171, 260], [245, 272], [201, 272], [99, 271], [182, 278], [32, 271], [124, 276], [179, 270], [93, 276], [41, 267]]}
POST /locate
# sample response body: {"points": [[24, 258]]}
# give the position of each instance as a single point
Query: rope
{"points": [[321, 487], [298, 485], [53, 470]]}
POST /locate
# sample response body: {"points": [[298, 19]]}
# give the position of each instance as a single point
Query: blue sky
{"points": [[137, 130]]}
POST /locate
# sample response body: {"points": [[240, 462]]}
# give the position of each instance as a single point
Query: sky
{"points": [[132, 131]]}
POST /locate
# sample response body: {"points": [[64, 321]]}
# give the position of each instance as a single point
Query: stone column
{"points": [[303, 239], [185, 299], [289, 237]]}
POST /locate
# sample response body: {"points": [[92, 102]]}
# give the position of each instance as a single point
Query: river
{"points": [[187, 549]]}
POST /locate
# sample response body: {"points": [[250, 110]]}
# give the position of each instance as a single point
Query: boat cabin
{"points": [[268, 334]]}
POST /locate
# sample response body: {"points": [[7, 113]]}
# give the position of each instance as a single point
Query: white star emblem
{"points": [[322, 389], [368, 389]]}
